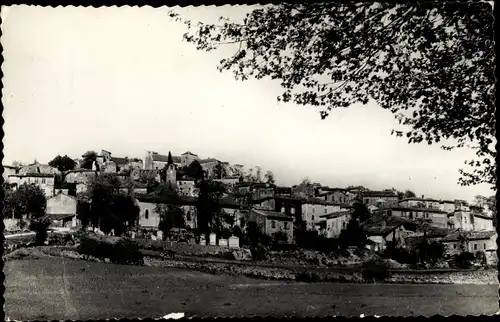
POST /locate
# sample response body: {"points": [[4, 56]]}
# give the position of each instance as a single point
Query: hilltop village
{"points": [[391, 216]]}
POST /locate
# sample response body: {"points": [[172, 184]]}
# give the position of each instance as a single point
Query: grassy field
{"points": [[70, 289]]}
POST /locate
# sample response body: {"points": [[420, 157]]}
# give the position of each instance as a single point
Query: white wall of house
{"points": [[481, 223], [335, 225]]}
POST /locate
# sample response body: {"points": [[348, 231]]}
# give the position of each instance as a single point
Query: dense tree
{"points": [[492, 205], [110, 209], [149, 178], [171, 213], [207, 205], [195, 170], [431, 64], [219, 171], [89, 158], [63, 163], [353, 234], [27, 199], [236, 170], [269, 177]]}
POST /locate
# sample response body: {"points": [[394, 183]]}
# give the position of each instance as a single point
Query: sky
{"points": [[123, 80]]}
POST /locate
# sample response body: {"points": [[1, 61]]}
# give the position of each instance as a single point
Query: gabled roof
{"points": [[189, 153], [470, 235], [483, 216], [272, 214], [164, 158], [429, 210], [120, 161], [419, 199], [336, 214]]}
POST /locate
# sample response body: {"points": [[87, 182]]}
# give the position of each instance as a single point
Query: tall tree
{"points": [[431, 64], [63, 163], [171, 213], [110, 209], [219, 171], [89, 158], [269, 177], [27, 199]]}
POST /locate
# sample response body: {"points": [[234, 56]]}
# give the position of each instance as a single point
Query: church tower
{"points": [[171, 178]]}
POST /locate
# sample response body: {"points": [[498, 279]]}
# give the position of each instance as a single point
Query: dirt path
{"points": [[96, 290]]}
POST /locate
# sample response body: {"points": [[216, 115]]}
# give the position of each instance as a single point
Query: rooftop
{"points": [[189, 153], [387, 194], [336, 214], [272, 214], [470, 235], [164, 158], [209, 160]]}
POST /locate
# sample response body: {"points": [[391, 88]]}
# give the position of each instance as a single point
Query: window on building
{"points": [[314, 208], [326, 210], [454, 246], [188, 216], [282, 210], [273, 224], [286, 225], [292, 211], [484, 246], [367, 201], [411, 214], [43, 180], [465, 220], [312, 217], [146, 214], [36, 180], [343, 225], [475, 246]]}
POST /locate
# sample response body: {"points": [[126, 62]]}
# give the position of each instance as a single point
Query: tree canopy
{"points": [[27, 199], [88, 159], [110, 209], [431, 64], [63, 163]]}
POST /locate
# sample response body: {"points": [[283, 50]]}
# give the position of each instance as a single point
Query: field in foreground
{"points": [[72, 289]]}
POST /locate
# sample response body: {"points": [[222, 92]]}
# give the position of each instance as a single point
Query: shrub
{"points": [[259, 252], [308, 277], [375, 271], [61, 239], [481, 258], [121, 251], [464, 260]]}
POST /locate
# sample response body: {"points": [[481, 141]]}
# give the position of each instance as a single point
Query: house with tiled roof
{"points": [[61, 208], [155, 161], [386, 198], [45, 181], [420, 202], [333, 223], [271, 222], [381, 229], [472, 241], [313, 208], [436, 217], [187, 158], [335, 195]]}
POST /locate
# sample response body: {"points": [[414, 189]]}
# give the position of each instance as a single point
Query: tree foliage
{"points": [[269, 177], [219, 171], [431, 64], [27, 199], [89, 158], [63, 163], [110, 209]]}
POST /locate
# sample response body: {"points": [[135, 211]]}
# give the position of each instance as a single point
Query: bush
{"points": [[464, 260], [61, 239], [375, 271], [481, 258], [400, 255], [121, 251], [259, 252], [308, 277]]}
